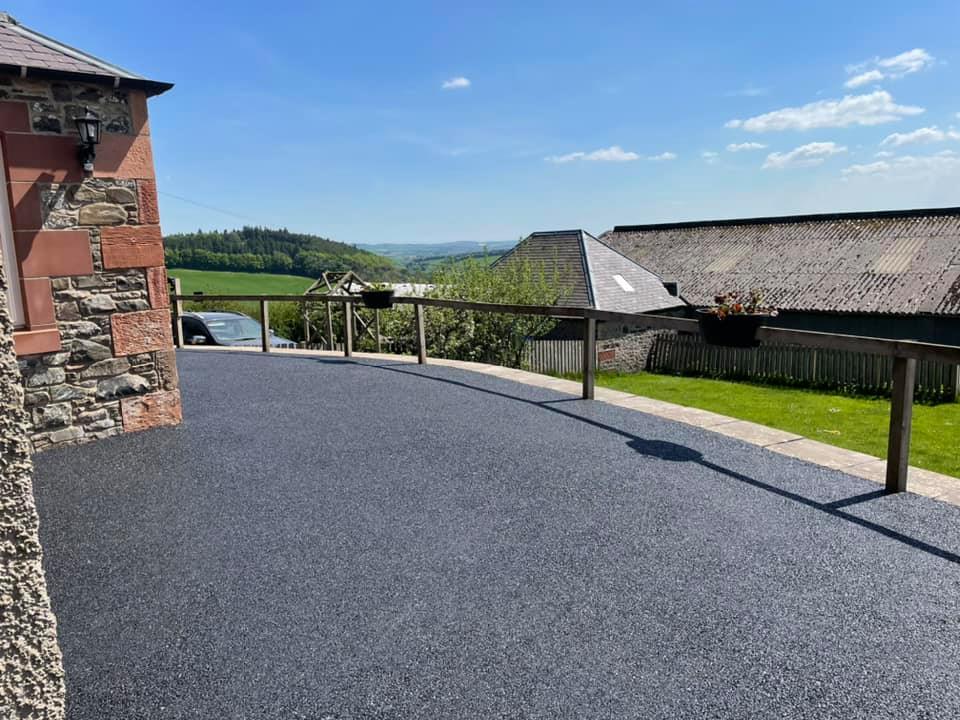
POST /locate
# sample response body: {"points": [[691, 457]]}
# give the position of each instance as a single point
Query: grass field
{"points": [[238, 283], [849, 422]]}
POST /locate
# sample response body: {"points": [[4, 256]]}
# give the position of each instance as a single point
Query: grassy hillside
{"points": [[239, 283]]}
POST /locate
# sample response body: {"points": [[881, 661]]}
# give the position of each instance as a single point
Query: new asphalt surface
{"points": [[337, 539]]}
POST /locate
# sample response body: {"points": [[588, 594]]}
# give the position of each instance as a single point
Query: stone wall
{"points": [[97, 353], [53, 105], [31, 668], [115, 332], [627, 352]]}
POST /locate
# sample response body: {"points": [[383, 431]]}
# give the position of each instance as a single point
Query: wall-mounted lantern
{"points": [[88, 127]]}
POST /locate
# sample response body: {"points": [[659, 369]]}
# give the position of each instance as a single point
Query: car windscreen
{"points": [[233, 329]]}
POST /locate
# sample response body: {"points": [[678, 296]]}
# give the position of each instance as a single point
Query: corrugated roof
{"points": [[21, 47], [890, 262], [592, 274]]}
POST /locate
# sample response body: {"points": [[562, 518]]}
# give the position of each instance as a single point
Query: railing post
{"points": [[901, 417], [265, 326], [177, 306], [376, 322], [331, 345], [421, 334], [348, 329], [589, 356], [306, 322]]}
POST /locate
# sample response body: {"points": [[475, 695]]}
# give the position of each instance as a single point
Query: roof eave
{"points": [[151, 87]]}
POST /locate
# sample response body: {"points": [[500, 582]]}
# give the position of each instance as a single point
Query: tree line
{"points": [[265, 250]]}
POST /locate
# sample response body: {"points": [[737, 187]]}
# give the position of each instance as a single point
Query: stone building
{"points": [[589, 273], [83, 251]]}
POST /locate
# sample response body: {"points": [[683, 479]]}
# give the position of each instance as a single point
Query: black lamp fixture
{"points": [[88, 127]]}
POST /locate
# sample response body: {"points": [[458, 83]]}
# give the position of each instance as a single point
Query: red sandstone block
{"points": [[157, 287], [37, 342], [14, 117], [128, 246], [147, 198], [38, 302], [127, 157], [42, 158], [25, 209], [138, 112], [142, 412], [51, 253], [606, 355], [140, 332]]}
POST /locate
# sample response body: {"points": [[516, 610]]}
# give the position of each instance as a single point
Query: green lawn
{"points": [[239, 283], [850, 422]]}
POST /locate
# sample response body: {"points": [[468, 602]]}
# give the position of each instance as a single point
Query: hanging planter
{"points": [[377, 297], [733, 322]]}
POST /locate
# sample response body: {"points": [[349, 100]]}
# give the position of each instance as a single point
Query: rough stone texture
{"points": [[628, 352], [53, 106], [73, 395], [92, 202], [31, 668], [148, 411]]}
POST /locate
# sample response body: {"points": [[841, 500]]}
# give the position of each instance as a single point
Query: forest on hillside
{"points": [[264, 250]]}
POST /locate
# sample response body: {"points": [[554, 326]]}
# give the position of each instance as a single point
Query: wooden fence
{"points": [[904, 353], [558, 357], [792, 364]]}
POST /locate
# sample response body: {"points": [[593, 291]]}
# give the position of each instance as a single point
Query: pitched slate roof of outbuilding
{"points": [[902, 262], [24, 49], [587, 271]]}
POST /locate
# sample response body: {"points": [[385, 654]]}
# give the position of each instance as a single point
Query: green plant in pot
{"points": [[733, 320], [378, 296]]}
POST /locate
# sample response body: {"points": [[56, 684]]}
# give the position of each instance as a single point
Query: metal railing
{"points": [[905, 353]]}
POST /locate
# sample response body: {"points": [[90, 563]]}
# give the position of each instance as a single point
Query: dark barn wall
{"points": [[944, 330]]}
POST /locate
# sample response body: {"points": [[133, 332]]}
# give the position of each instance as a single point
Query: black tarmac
{"points": [[361, 539]]}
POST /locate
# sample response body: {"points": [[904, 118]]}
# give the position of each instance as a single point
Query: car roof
{"points": [[219, 315]]}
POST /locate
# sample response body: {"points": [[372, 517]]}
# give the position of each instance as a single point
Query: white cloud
{"points": [[891, 68], [740, 147], [910, 167], [871, 109], [804, 156], [884, 154], [614, 153], [456, 83], [864, 79], [906, 63], [868, 169], [921, 135], [710, 157], [748, 91], [663, 156]]}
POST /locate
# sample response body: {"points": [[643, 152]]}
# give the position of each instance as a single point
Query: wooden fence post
{"points": [[376, 322], [901, 417], [421, 334], [264, 326], [347, 329], [306, 322], [177, 306], [589, 356], [331, 345]]}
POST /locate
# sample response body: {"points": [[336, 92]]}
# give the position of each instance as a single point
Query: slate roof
{"points": [[900, 262], [588, 272], [21, 47]]}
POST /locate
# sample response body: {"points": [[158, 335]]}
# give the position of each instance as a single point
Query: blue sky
{"points": [[333, 118]]}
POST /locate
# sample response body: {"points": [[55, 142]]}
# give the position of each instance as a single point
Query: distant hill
{"points": [[265, 250], [406, 252]]}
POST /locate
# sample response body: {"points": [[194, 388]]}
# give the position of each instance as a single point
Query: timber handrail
{"points": [[905, 353]]}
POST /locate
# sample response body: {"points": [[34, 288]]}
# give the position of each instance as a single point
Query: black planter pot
{"points": [[377, 299], [732, 330]]}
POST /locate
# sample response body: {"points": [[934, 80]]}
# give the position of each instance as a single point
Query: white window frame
{"points": [[14, 297]]}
